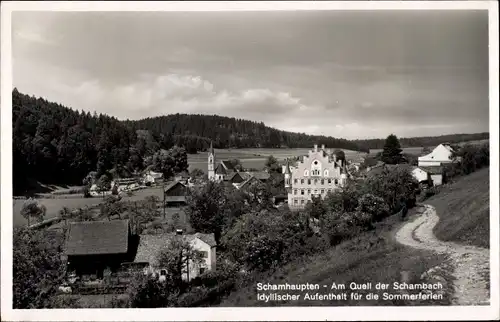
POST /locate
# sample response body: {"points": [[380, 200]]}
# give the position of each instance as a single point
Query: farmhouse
{"points": [[441, 154], [424, 175], [175, 194], [150, 247], [316, 174], [95, 247]]}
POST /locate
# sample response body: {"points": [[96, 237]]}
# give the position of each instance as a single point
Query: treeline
{"points": [[425, 141], [227, 132]]}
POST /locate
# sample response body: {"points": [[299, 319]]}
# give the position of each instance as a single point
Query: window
{"points": [[315, 181], [308, 191], [306, 173], [302, 202], [308, 181], [322, 181], [163, 272], [329, 189], [295, 181], [326, 173], [294, 191], [329, 181], [315, 191], [202, 270], [301, 180], [295, 201], [336, 181], [302, 192], [204, 254], [322, 191]]}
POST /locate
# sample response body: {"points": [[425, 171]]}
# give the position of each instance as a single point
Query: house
{"points": [[175, 194], [316, 174], [182, 177], [125, 184], [441, 154], [151, 177], [436, 174], [94, 247], [263, 176], [150, 247]]}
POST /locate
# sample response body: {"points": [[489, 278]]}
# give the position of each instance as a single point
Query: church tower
{"points": [[288, 176], [211, 163]]}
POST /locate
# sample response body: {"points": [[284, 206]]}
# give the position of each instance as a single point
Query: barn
{"points": [[93, 247]]}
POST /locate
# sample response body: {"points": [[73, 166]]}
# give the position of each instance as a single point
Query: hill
{"points": [[55, 144], [426, 141], [228, 132], [464, 210]]}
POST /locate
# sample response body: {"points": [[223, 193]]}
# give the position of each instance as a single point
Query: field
{"points": [[464, 210], [372, 257], [55, 204], [253, 158]]}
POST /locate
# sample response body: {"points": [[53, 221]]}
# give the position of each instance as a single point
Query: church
{"points": [[218, 172], [316, 174]]}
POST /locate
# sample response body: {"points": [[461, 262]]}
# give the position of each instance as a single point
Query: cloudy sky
{"points": [[345, 74]]}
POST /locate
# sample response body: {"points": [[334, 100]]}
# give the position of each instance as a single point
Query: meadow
{"points": [[464, 210], [254, 158], [55, 204]]}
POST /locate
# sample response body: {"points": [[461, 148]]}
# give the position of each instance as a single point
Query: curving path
{"points": [[470, 263]]}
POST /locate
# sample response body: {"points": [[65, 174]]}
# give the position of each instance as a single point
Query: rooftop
{"points": [[97, 237]]}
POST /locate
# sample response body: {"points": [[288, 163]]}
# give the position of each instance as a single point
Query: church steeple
{"points": [[211, 162]]}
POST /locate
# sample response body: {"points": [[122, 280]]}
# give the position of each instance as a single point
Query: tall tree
{"points": [[392, 150]]}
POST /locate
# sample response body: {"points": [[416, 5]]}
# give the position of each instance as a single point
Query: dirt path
{"points": [[471, 263]]}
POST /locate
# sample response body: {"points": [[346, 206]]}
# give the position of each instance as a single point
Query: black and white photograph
{"points": [[165, 156]]}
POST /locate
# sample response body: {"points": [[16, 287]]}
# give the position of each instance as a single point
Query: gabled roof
{"points": [[227, 164], [287, 168], [172, 185], [261, 175], [97, 237], [150, 246], [220, 169], [250, 180]]}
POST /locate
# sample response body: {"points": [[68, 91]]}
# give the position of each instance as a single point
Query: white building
{"points": [[318, 173], [150, 247], [441, 154], [151, 177]]}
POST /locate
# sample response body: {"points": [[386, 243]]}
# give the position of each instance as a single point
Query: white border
{"points": [[240, 314]]}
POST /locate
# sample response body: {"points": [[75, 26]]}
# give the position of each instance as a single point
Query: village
{"points": [[102, 255]]}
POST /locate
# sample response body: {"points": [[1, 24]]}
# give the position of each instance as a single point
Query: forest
{"points": [[56, 144]]}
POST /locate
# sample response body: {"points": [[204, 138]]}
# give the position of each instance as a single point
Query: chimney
{"points": [[315, 148], [178, 231]]}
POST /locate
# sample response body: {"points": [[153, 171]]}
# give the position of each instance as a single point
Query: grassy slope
{"points": [[372, 257], [464, 208]]}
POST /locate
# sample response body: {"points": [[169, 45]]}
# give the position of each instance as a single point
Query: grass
{"points": [[253, 157], [373, 257], [55, 204], [463, 208]]}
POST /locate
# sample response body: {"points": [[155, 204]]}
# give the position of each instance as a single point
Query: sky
{"points": [[340, 73]]}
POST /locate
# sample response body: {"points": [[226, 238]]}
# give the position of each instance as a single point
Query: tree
{"points": [[374, 205], [170, 162], [206, 208], [65, 213], [146, 291], [340, 154], [197, 173], [178, 258], [392, 150], [37, 267], [33, 209], [104, 183], [237, 164], [272, 164]]}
